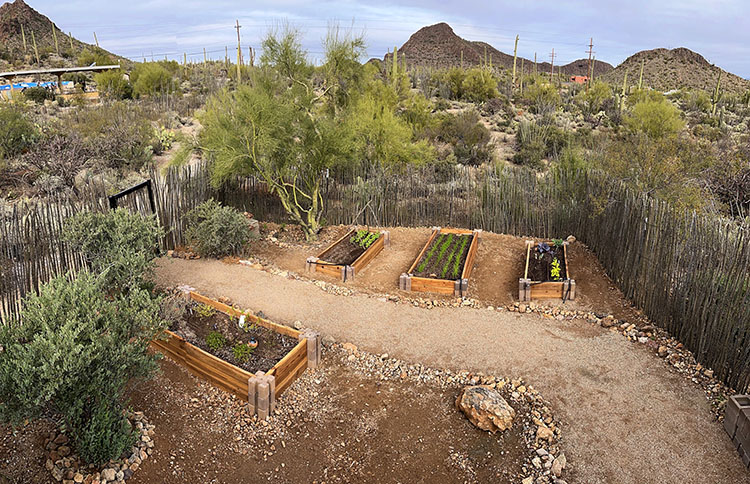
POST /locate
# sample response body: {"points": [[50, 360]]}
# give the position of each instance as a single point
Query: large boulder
{"points": [[486, 408]]}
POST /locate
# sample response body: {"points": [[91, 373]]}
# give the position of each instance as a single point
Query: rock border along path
{"points": [[628, 418]]}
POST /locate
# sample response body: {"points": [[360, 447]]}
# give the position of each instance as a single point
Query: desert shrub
{"points": [[592, 100], [73, 356], [60, 156], [729, 180], [498, 105], [118, 134], [531, 144], [95, 55], [217, 231], [242, 352], [152, 78], [470, 139], [542, 96], [118, 244], [113, 85], [38, 94], [656, 118], [417, 111], [17, 133], [479, 85]]}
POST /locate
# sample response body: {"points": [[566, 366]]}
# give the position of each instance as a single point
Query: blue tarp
{"points": [[22, 85]]}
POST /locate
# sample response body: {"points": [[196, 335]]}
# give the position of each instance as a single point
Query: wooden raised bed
{"points": [[564, 289], [260, 389], [347, 271], [459, 286]]}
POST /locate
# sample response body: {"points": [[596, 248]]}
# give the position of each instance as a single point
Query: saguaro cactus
{"points": [[394, 69], [622, 94], [515, 57], [716, 96], [640, 79]]}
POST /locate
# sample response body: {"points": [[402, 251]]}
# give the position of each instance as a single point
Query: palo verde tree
{"points": [[292, 123]]}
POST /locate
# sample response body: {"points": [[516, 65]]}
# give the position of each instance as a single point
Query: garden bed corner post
{"points": [[310, 264], [524, 290], [313, 348], [404, 282], [261, 395]]}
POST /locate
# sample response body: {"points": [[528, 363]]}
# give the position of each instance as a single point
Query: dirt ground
{"points": [[499, 264], [627, 418]]}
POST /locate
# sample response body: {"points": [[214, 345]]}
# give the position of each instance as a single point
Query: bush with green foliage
{"points": [[17, 133], [655, 117], [151, 78], [217, 231], [118, 244], [470, 139], [242, 352], [38, 94], [113, 85], [73, 355], [542, 96], [475, 85], [95, 56], [592, 100]]}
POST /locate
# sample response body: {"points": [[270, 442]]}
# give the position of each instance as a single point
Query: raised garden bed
{"points": [[444, 264], [349, 254], [546, 273], [255, 375]]}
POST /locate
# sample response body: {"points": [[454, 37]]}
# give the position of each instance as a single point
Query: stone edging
{"points": [[67, 467]]}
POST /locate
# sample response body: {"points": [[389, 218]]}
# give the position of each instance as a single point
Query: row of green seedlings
{"points": [[453, 263], [216, 340], [364, 238]]}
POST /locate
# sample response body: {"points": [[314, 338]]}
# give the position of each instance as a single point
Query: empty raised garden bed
{"points": [[257, 375], [350, 254], [444, 264], [547, 273]]}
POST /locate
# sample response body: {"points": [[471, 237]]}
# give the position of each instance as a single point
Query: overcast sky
{"points": [[717, 29]]}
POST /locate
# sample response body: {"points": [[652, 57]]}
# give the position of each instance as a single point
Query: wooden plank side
{"points": [[331, 270], [448, 230], [547, 290], [229, 310], [293, 375], [565, 256], [321, 256], [367, 256], [424, 284], [289, 360], [203, 364], [421, 253], [469, 263], [528, 257]]}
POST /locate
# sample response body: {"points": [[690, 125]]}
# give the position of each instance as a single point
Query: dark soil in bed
{"points": [[540, 268], [343, 253], [197, 324], [442, 252]]}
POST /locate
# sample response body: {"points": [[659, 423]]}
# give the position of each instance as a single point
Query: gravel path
{"points": [[626, 418]]}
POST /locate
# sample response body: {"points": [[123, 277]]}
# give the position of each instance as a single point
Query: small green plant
{"points": [[557, 242], [426, 260], [556, 270], [215, 341], [205, 311], [364, 238], [242, 352]]}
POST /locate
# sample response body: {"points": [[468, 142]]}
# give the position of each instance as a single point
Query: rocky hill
{"points": [[665, 69], [17, 19], [438, 46]]}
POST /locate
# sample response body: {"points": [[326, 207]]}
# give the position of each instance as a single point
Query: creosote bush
{"points": [[217, 231], [17, 133], [76, 350]]}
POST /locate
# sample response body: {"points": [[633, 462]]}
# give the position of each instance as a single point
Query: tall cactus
{"points": [[717, 95], [640, 79], [54, 35], [36, 51], [622, 94], [23, 36], [70, 39], [515, 57], [394, 69]]}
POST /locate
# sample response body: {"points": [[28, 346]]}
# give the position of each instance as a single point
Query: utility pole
{"points": [[226, 57], [205, 59], [552, 66], [591, 66], [239, 53], [515, 57], [96, 40]]}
